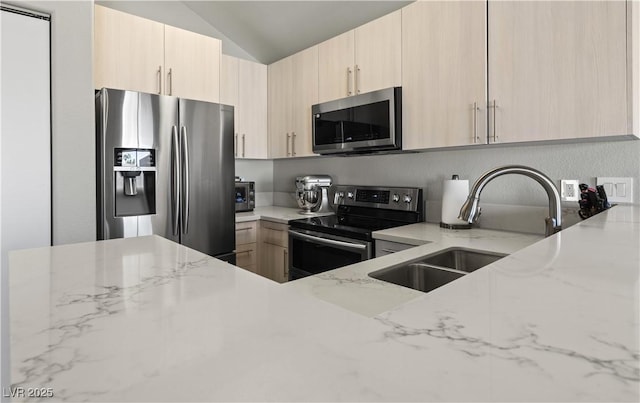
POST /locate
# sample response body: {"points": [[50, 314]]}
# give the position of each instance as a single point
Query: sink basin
{"points": [[433, 271], [466, 260], [418, 276]]}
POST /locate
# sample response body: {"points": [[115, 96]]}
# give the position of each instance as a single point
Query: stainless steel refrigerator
{"points": [[165, 166]]}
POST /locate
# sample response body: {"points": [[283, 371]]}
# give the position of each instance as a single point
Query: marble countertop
{"points": [[351, 287], [147, 319], [275, 213]]}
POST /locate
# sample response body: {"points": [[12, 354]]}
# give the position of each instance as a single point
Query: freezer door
{"points": [[157, 129], [116, 127], [207, 177]]}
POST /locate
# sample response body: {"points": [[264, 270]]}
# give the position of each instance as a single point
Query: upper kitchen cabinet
{"points": [[243, 84], [557, 70], [192, 65], [365, 59], [293, 88], [128, 52], [444, 74], [137, 54]]}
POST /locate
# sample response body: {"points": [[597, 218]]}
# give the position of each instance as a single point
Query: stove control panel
{"points": [[392, 198]]}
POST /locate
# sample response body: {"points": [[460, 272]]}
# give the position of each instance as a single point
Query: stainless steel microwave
{"points": [[359, 124], [245, 196]]}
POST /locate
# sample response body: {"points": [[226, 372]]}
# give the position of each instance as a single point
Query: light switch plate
{"points": [[569, 190], [619, 190]]}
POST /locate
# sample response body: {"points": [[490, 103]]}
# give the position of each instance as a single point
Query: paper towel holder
{"points": [[455, 226]]}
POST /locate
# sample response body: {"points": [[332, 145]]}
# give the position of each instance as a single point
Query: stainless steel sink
{"points": [[466, 260], [433, 271]]}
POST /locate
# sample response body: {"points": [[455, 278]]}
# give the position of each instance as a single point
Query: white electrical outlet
{"points": [[569, 190], [619, 190]]}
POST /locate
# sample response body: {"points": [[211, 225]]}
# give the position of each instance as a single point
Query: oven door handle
{"points": [[325, 241]]}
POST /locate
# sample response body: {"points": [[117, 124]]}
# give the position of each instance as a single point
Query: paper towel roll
{"points": [[454, 194]]}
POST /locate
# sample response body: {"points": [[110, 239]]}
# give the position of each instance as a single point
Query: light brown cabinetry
{"points": [[128, 52], [293, 88], [365, 59], [274, 251], [247, 245], [133, 53], [557, 70], [244, 85], [443, 74], [192, 65]]}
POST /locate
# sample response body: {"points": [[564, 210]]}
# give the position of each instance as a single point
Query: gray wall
{"points": [[583, 161], [73, 128]]}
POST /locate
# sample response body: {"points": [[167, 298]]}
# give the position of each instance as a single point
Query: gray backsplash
{"points": [[509, 202], [260, 172]]}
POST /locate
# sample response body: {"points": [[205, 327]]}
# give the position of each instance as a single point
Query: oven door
{"points": [[313, 252]]}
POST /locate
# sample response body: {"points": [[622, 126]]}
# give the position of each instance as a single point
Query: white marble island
{"points": [[147, 320]]}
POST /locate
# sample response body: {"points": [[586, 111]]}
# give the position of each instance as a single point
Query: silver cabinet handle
{"points": [[243, 145], [170, 82], [293, 144], [175, 179], [389, 250], [244, 229], [244, 251], [159, 73], [349, 81], [288, 136], [495, 123], [184, 146], [356, 81], [235, 146], [475, 122]]}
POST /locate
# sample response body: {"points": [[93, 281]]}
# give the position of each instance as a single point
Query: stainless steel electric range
{"points": [[319, 244]]}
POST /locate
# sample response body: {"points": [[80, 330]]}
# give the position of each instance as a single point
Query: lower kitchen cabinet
{"points": [[274, 251], [247, 245]]}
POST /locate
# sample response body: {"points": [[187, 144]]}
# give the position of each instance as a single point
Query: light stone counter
{"points": [[351, 287], [147, 319], [274, 213]]}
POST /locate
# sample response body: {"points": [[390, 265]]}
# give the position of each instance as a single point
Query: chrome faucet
{"points": [[470, 210]]}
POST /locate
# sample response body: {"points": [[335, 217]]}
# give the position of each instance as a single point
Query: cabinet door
{"points": [[378, 56], [443, 74], [192, 64], [557, 70], [304, 94], [252, 110], [335, 67], [128, 51], [229, 80], [279, 106], [229, 91], [275, 263]]}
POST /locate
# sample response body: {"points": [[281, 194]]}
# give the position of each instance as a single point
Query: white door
{"points": [[25, 134]]}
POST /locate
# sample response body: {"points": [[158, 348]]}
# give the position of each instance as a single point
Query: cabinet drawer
{"points": [[246, 255], [246, 232], [274, 233]]}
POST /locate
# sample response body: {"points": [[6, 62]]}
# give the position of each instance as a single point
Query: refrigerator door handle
{"points": [[184, 148], [175, 180]]}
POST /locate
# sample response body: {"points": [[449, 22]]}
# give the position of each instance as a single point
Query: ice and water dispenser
{"points": [[134, 173]]}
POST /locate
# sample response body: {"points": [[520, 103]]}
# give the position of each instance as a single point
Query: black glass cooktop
{"points": [[356, 223]]}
